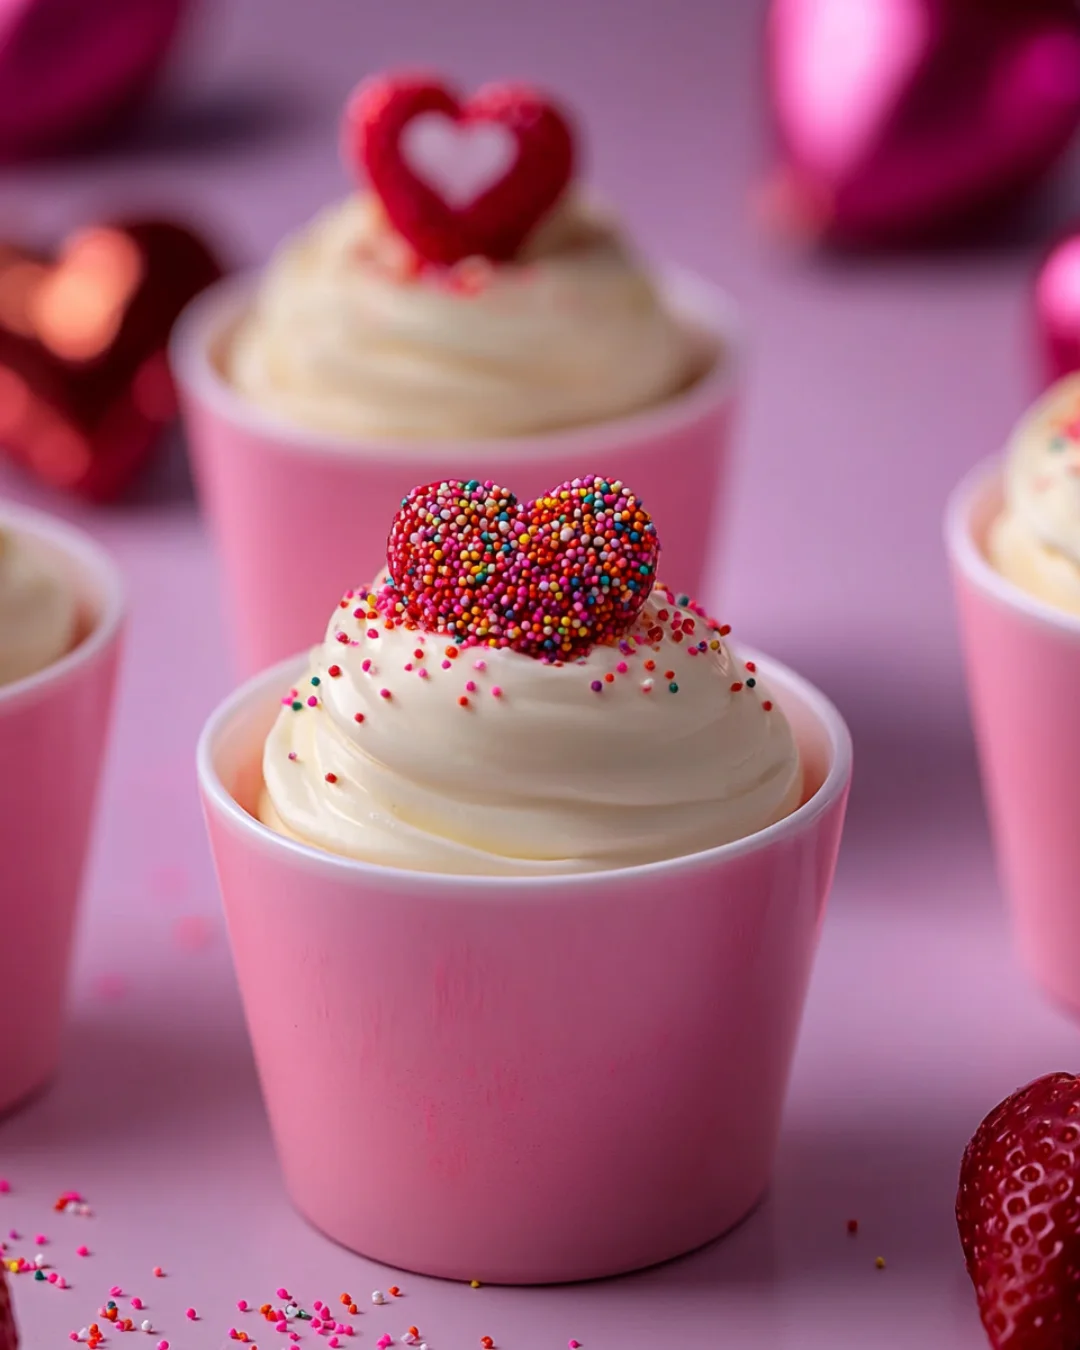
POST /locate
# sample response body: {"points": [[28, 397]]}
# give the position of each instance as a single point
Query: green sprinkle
{"points": [[297, 706], [673, 687], [315, 679]]}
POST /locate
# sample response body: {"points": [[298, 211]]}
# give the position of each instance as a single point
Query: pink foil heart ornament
{"points": [[70, 69], [1057, 308], [902, 120]]}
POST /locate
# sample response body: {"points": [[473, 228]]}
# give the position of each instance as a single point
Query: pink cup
{"points": [[528, 1080], [1023, 670], [296, 513], [53, 729]]}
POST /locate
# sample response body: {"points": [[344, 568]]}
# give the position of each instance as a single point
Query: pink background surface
{"points": [[873, 387]]}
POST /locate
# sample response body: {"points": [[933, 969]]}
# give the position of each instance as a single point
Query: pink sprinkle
{"points": [[163, 1345], [242, 1305], [136, 1302], [82, 1251], [5, 1186], [574, 1345], [116, 1291], [159, 1273], [446, 665], [13, 1235], [283, 1293], [373, 632], [52, 1277], [496, 692], [61, 1283], [292, 754], [622, 667], [365, 665], [281, 1326], [422, 673], [41, 1239], [313, 702], [384, 1341], [191, 1315], [385, 693], [333, 1343], [480, 665], [73, 1335], [470, 686]]}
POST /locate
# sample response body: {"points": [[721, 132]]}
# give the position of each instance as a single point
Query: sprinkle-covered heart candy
{"points": [[551, 578], [459, 179]]}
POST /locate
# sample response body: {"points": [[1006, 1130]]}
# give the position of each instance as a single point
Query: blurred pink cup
{"points": [[296, 515], [1023, 672], [523, 1080], [53, 728]]}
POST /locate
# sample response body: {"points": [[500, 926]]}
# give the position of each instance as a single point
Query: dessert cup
{"points": [[1023, 674], [523, 1080], [53, 728], [296, 513]]}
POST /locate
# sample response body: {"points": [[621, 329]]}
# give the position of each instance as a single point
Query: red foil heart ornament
{"points": [[85, 389], [71, 69], [551, 578], [902, 120], [460, 179], [9, 1336], [1057, 308]]}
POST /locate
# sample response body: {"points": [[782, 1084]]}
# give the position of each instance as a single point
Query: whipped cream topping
{"points": [[1035, 543], [348, 336], [38, 612], [400, 748]]}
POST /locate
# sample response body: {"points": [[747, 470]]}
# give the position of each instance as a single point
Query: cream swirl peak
{"points": [[1035, 543], [400, 747], [347, 336], [37, 610]]}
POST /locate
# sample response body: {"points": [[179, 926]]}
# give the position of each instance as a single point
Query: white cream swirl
{"points": [[1035, 543], [37, 610], [400, 749], [346, 336]]}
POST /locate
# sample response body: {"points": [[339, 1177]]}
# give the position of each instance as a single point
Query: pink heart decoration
{"points": [[1057, 308], [901, 119], [459, 179]]}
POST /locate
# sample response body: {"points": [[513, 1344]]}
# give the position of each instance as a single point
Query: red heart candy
{"points": [[85, 389], [551, 578], [460, 180]]}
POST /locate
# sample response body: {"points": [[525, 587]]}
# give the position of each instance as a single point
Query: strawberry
{"points": [[1018, 1212], [9, 1337]]}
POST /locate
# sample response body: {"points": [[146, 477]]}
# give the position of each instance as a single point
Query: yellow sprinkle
{"points": [[474, 1284], [880, 1263]]}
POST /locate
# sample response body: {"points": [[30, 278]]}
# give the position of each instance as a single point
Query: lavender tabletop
{"points": [[873, 386]]}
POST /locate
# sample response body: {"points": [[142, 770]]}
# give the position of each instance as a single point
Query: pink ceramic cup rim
{"points": [[221, 305], [89, 555], [972, 563], [265, 686]]}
